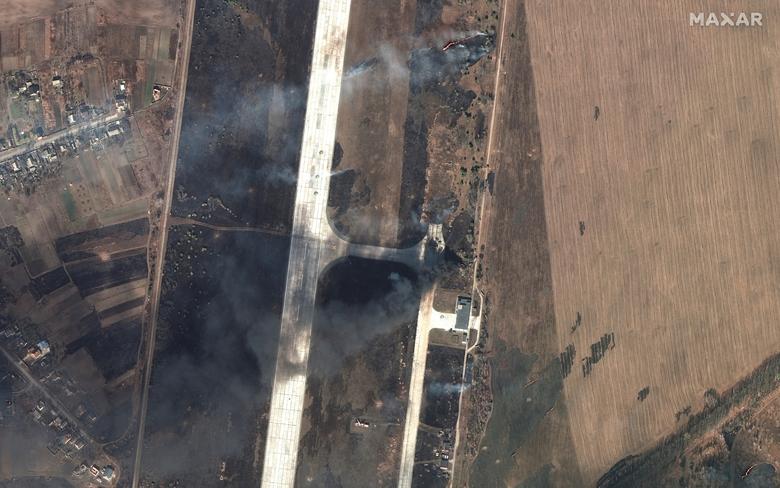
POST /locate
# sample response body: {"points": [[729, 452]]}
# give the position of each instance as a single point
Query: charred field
{"points": [[359, 371], [220, 308], [442, 386], [216, 346], [436, 435], [243, 113]]}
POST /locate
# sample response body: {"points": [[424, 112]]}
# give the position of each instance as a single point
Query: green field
{"points": [[70, 204]]}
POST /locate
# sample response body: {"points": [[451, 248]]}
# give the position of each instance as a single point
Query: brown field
{"points": [[372, 115], [117, 295], [676, 183], [142, 12], [515, 426]]}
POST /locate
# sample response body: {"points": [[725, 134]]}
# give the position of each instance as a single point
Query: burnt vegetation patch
{"points": [[93, 275], [216, 347], [114, 349], [48, 282], [10, 243], [244, 111], [433, 83], [442, 386], [82, 244], [358, 374], [348, 189]]}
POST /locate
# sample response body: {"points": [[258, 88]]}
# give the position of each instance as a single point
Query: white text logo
{"points": [[723, 19]]}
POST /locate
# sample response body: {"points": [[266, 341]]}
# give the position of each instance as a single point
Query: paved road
{"points": [[336, 248], [154, 297], [310, 229], [70, 131], [416, 389]]}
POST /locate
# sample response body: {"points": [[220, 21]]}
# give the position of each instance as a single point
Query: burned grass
{"points": [[114, 349], [94, 275], [358, 374], [89, 243], [216, 349], [244, 110], [442, 387]]}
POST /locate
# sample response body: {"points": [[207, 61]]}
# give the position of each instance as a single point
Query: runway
{"points": [[310, 229], [416, 384]]}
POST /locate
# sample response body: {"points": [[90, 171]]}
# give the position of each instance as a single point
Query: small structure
{"points": [[108, 473], [463, 313], [58, 423], [33, 89], [37, 352], [436, 235], [359, 426], [121, 101]]}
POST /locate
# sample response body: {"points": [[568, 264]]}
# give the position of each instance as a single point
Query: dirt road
{"points": [[182, 65]]}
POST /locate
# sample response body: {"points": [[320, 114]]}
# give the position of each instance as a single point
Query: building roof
{"points": [[462, 313]]}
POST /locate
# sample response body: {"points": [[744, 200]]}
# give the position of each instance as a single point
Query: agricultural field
{"points": [[630, 257], [89, 311], [675, 184], [85, 131], [139, 12]]}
